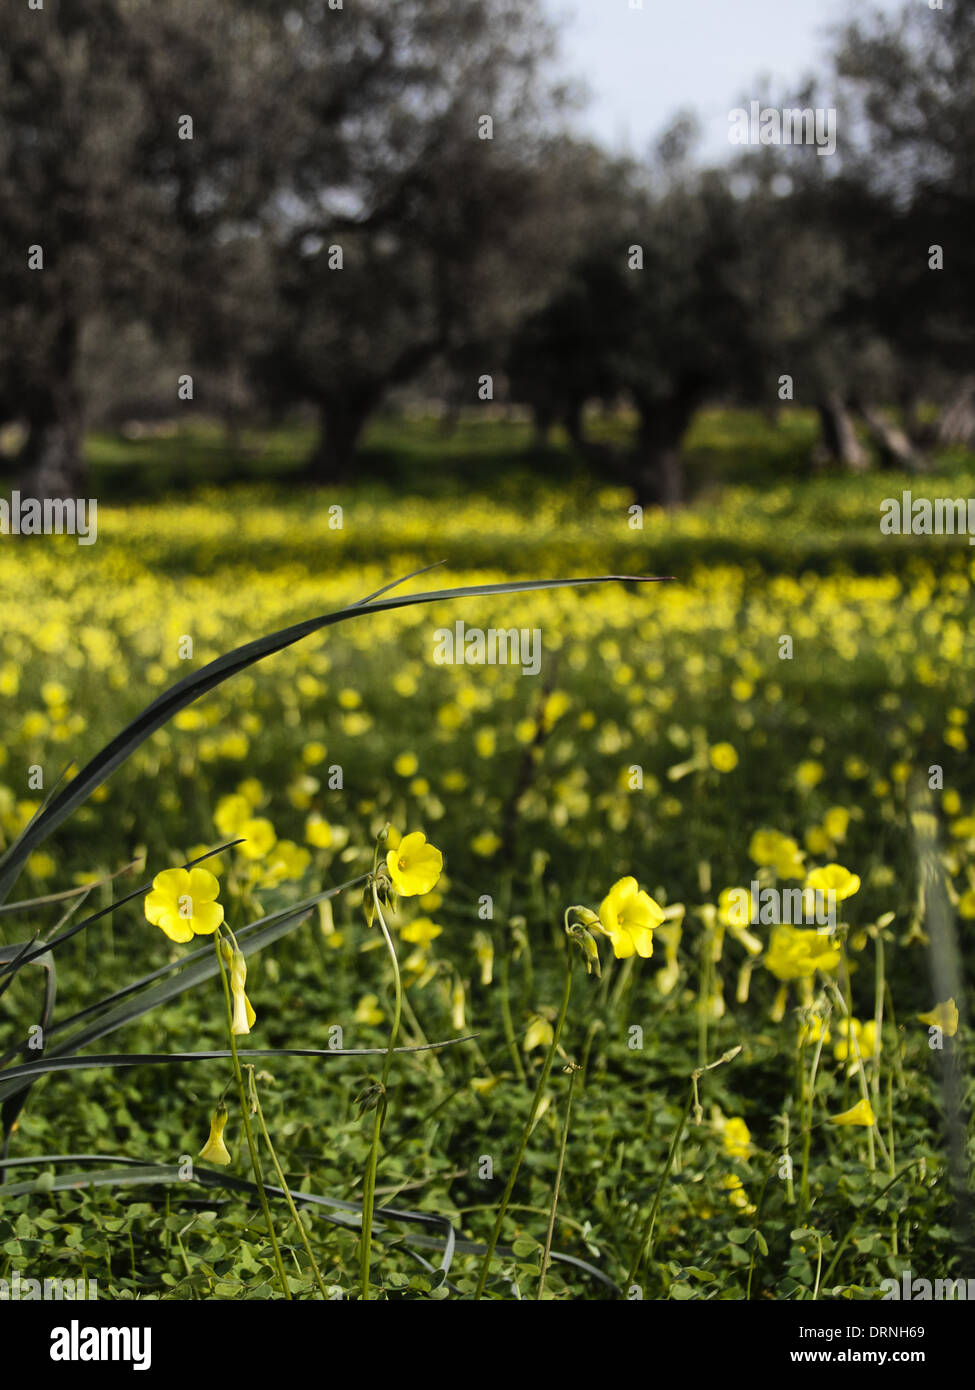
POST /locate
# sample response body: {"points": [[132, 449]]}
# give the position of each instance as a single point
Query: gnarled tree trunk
{"points": [[659, 471], [342, 422], [896, 450], [957, 422], [838, 442], [52, 461]]}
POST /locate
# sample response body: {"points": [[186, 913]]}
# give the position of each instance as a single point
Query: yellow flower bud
{"points": [[244, 1015]]}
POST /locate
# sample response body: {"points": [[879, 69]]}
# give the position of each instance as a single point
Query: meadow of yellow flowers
{"points": [[601, 1062]]}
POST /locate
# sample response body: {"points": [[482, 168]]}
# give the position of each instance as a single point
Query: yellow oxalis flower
{"points": [[414, 866], [287, 861], [861, 1114], [943, 1016], [736, 1138], [318, 832], [737, 1195], [421, 931], [833, 878], [183, 903], [231, 813], [723, 757], [367, 1010], [215, 1150], [864, 1034], [813, 1030], [628, 915], [259, 837], [796, 953], [774, 850]]}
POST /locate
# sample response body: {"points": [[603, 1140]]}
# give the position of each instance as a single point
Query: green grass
{"points": [[877, 691]]}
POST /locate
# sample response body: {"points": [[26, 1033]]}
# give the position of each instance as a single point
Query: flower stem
{"points": [[546, 1253], [369, 1185], [645, 1247], [506, 1023], [526, 1132], [255, 1161], [287, 1191]]}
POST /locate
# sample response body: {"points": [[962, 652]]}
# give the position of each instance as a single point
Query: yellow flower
{"points": [[809, 774], [457, 1009], [864, 1035], [943, 1016], [737, 1195], [771, 848], [484, 743], [366, 1010], [230, 815], [796, 953], [215, 1150], [540, 1034], [860, 1114], [736, 1138], [259, 837], [816, 840], [966, 904], [735, 907], [287, 861], [833, 878], [420, 932], [723, 757], [484, 947], [813, 1030], [836, 822], [486, 844], [183, 903], [406, 764], [318, 832], [414, 866], [628, 916]]}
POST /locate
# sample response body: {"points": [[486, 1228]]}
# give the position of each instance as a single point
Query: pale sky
{"points": [[642, 66]]}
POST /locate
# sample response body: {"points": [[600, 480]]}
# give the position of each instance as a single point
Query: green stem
{"points": [[506, 1023], [806, 1113], [284, 1185], [536, 1102], [645, 1248], [546, 1253], [369, 1185], [255, 1161]]}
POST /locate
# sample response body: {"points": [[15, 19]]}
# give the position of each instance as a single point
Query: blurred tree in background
{"points": [[302, 207]]}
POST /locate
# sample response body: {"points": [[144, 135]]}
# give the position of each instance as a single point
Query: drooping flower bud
{"points": [[215, 1150], [244, 1015]]}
